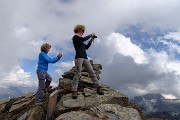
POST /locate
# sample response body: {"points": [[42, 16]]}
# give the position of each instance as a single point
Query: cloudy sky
{"points": [[137, 45]]}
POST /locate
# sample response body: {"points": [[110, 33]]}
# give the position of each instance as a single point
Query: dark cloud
{"points": [[130, 78]]}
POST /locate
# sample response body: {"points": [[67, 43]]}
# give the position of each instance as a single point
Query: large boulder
{"points": [[102, 112], [90, 98]]}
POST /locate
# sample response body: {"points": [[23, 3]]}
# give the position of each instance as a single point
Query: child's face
{"points": [[48, 49]]}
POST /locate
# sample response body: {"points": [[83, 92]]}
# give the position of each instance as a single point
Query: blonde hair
{"points": [[44, 47], [78, 28]]}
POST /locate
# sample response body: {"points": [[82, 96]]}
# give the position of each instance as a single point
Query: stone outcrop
{"points": [[89, 105]]}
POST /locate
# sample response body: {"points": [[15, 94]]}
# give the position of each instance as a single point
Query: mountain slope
{"points": [[155, 105], [58, 101], [15, 91]]}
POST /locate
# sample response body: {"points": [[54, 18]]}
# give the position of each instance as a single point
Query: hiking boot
{"points": [[48, 89], [74, 94], [99, 91]]}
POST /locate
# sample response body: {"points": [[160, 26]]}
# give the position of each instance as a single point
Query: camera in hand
{"points": [[94, 36]]}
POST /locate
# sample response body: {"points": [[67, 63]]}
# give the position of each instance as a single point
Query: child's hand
{"points": [[59, 55]]}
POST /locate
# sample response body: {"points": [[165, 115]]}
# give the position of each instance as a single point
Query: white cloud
{"points": [[25, 25], [18, 77], [64, 67], [60, 72], [175, 36], [123, 73], [115, 43], [169, 96], [123, 45], [171, 40]]}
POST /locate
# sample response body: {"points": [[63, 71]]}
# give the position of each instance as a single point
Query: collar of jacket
{"points": [[44, 52]]}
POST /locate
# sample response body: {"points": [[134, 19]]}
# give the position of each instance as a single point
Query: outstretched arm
{"points": [[77, 38], [47, 59]]}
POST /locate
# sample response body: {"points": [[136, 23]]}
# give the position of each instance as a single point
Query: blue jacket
{"points": [[44, 59]]}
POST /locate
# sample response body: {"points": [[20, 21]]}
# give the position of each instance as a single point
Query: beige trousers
{"points": [[79, 62]]}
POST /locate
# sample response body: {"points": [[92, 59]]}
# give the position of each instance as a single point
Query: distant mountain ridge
{"points": [[14, 91], [155, 105]]}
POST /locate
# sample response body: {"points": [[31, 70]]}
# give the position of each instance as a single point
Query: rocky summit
{"points": [[59, 105]]}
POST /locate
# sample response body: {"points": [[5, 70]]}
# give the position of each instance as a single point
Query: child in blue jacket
{"points": [[44, 78]]}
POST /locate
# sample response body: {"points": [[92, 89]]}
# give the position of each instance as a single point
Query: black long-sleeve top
{"points": [[80, 47]]}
